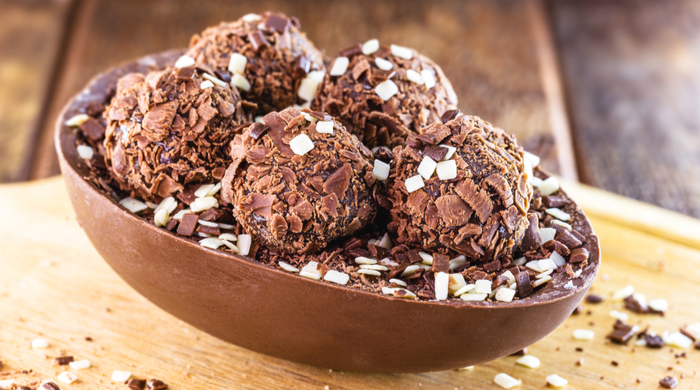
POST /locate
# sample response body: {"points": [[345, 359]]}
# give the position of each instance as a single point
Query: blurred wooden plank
{"points": [[30, 37], [490, 50], [631, 68]]}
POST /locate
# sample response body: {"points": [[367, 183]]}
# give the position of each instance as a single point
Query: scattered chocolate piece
{"points": [[155, 384], [50, 386], [579, 349], [669, 382], [449, 115], [257, 130], [88, 338], [579, 255], [63, 360], [654, 341], [523, 284], [593, 298], [136, 384], [188, 224], [441, 263], [622, 332], [614, 363]]}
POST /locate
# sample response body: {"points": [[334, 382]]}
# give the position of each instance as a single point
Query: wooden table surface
{"points": [[54, 285], [607, 92]]}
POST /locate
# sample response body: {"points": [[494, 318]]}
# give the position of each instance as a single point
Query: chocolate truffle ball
{"points": [[460, 187], [384, 94], [299, 180], [266, 57], [170, 128]]}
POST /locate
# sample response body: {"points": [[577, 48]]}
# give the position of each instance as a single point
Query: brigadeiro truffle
{"points": [[461, 186], [299, 180], [267, 57], [384, 94], [170, 128]]}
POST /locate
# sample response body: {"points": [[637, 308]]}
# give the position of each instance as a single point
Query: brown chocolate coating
{"points": [[351, 99], [271, 311], [482, 213], [279, 57], [298, 203], [164, 131]]}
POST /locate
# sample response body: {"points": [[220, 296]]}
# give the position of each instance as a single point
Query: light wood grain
{"points": [[631, 68], [30, 37], [492, 51], [53, 284]]}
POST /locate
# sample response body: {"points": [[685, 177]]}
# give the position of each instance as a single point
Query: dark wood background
{"points": [[606, 92]]}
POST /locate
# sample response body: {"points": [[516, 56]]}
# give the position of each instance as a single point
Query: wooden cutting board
{"points": [[54, 285]]}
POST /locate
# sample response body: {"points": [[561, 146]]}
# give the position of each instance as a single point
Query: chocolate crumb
{"points": [[614, 363], [579, 349], [669, 382], [579, 362], [63, 360], [88, 338]]}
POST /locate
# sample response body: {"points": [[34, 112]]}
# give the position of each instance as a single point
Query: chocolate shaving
{"points": [[187, 225]]}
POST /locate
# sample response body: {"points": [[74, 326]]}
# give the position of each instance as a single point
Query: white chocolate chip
{"points": [[547, 187], [442, 282], [398, 292], [402, 52], [121, 376], [447, 170], [7, 383], [505, 295], [227, 236], [79, 364], [203, 204], [311, 271], [336, 277], [40, 343], [483, 286], [543, 274], [214, 189], [214, 80], [414, 183], [340, 65], [237, 63], [520, 261], [556, 381], [133, 205], [677, 339], [288, 267], [365, 260], [316, 76], [467, 288], [385, 242], [77, 120], [427, 258], [410, 270], [583, 334], [383, 64], [414, 76], [381, 170], [558, 213], [456, 282], [85, 152], [67, 377], [450, 151], [557, 259], [619, 315], [623, 293], [471, 296], [184, 62], [369, 272], [250, 18], [547, 234], [161, 218], [301, 144], [325, 127], [203, 190], [693, 329], [386, 89], [534, 159], [307, 89], [210, 224], [370, 47], [375, 267], [457, 261], [427, 167], [506, 381], [528, 361], [428, 78], [541, 281], [546, 264], [211, 242], [245, 241], [206, 84], [242, 83], [398, 282]]}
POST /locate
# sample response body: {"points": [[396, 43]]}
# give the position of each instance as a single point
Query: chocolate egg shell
{"points": [[280, 314]]}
